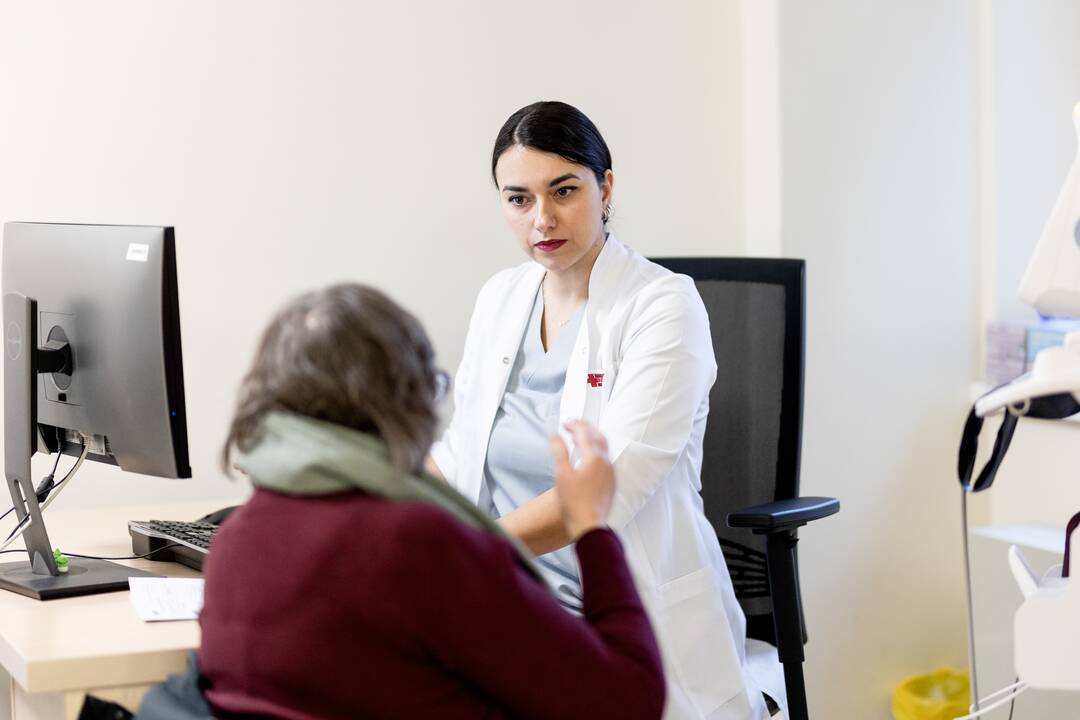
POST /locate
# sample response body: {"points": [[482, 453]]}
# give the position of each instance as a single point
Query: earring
{"points": [[606, 215]]}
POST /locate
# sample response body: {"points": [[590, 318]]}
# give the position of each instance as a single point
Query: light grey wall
{"points": [[878, 171], [1036, 83], [297, 144]]}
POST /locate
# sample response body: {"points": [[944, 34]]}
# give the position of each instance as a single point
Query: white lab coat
{"points": [[646, 332], [640, 370]]}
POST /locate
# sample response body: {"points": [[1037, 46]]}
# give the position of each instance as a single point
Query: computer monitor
{"points": [[92, 368]]}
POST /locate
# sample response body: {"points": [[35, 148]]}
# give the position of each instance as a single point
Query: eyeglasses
{"points": [[442, 385]]}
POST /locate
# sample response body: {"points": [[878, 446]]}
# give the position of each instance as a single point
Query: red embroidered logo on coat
{"points": [[595, 379]]}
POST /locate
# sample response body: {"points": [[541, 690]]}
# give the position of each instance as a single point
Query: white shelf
{"points": [[1039, 537]]}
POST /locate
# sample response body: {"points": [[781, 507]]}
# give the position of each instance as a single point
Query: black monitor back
{"points": [[110, 291]]}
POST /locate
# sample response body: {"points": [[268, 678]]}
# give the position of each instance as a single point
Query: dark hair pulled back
{"points": [[558, 128]]}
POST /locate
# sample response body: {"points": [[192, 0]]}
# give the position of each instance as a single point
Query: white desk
{"points": [[57, 650]]}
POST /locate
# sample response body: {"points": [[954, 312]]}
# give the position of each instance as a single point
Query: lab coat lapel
{"points": [[511, 319], [572, 404], [587, 385]]}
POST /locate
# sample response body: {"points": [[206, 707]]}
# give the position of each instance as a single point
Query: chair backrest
{"points": [[752, 445]]}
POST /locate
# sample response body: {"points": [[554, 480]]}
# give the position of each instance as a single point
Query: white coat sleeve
{"points": [[446, 451], [666, 369]]}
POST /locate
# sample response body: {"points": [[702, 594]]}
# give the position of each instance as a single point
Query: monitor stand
{"points": [[84, 577], [38, 577]]}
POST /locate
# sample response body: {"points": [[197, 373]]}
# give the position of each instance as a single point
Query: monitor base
{"points": [[84, 577]]}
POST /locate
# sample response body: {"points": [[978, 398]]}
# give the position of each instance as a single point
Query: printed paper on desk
{"points": [[158, 599]]}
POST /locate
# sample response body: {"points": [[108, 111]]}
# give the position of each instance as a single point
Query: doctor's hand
{"points": [[585, 492]]}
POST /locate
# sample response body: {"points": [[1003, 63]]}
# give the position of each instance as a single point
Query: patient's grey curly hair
{"points": [[349, 355]]}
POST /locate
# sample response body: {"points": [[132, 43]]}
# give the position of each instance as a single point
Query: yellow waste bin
{"points": [[943, 694]]}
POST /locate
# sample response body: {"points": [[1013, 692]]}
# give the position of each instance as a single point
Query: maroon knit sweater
{"points": [[352, 606]]}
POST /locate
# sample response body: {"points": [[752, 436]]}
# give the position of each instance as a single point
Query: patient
{"points": [[352, 585]]}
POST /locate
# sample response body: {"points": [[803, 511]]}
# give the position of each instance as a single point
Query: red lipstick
{"points": [[550, 245]]}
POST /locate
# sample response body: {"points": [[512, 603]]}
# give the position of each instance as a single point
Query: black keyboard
{"points": [[192, 540]]}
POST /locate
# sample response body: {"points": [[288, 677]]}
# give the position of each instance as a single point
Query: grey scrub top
{"points": [[519, 465]]}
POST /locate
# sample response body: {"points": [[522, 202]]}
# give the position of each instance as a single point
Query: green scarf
{"points": [[299, 455]]}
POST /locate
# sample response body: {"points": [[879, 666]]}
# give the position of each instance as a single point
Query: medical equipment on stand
{"points": [[1047, 625]]}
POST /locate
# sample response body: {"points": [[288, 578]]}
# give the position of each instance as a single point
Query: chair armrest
{"points": [[783, 514]]}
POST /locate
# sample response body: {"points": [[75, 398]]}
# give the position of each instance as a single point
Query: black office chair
{"points": [[750, 465]]}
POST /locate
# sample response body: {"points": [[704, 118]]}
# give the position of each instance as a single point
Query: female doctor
{"points": [[588, 328]]}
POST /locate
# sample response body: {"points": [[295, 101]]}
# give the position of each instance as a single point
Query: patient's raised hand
{"points": [[584, 491]]}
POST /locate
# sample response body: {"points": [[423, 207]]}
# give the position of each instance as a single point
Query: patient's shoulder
{"points": [[428, 523], [448, 542]]}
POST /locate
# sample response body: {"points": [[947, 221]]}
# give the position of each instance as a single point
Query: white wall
{"points": [[878, 185], [1036, 83], [298, 144], [1033, 64], [1035, 68], [760, 136]]}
